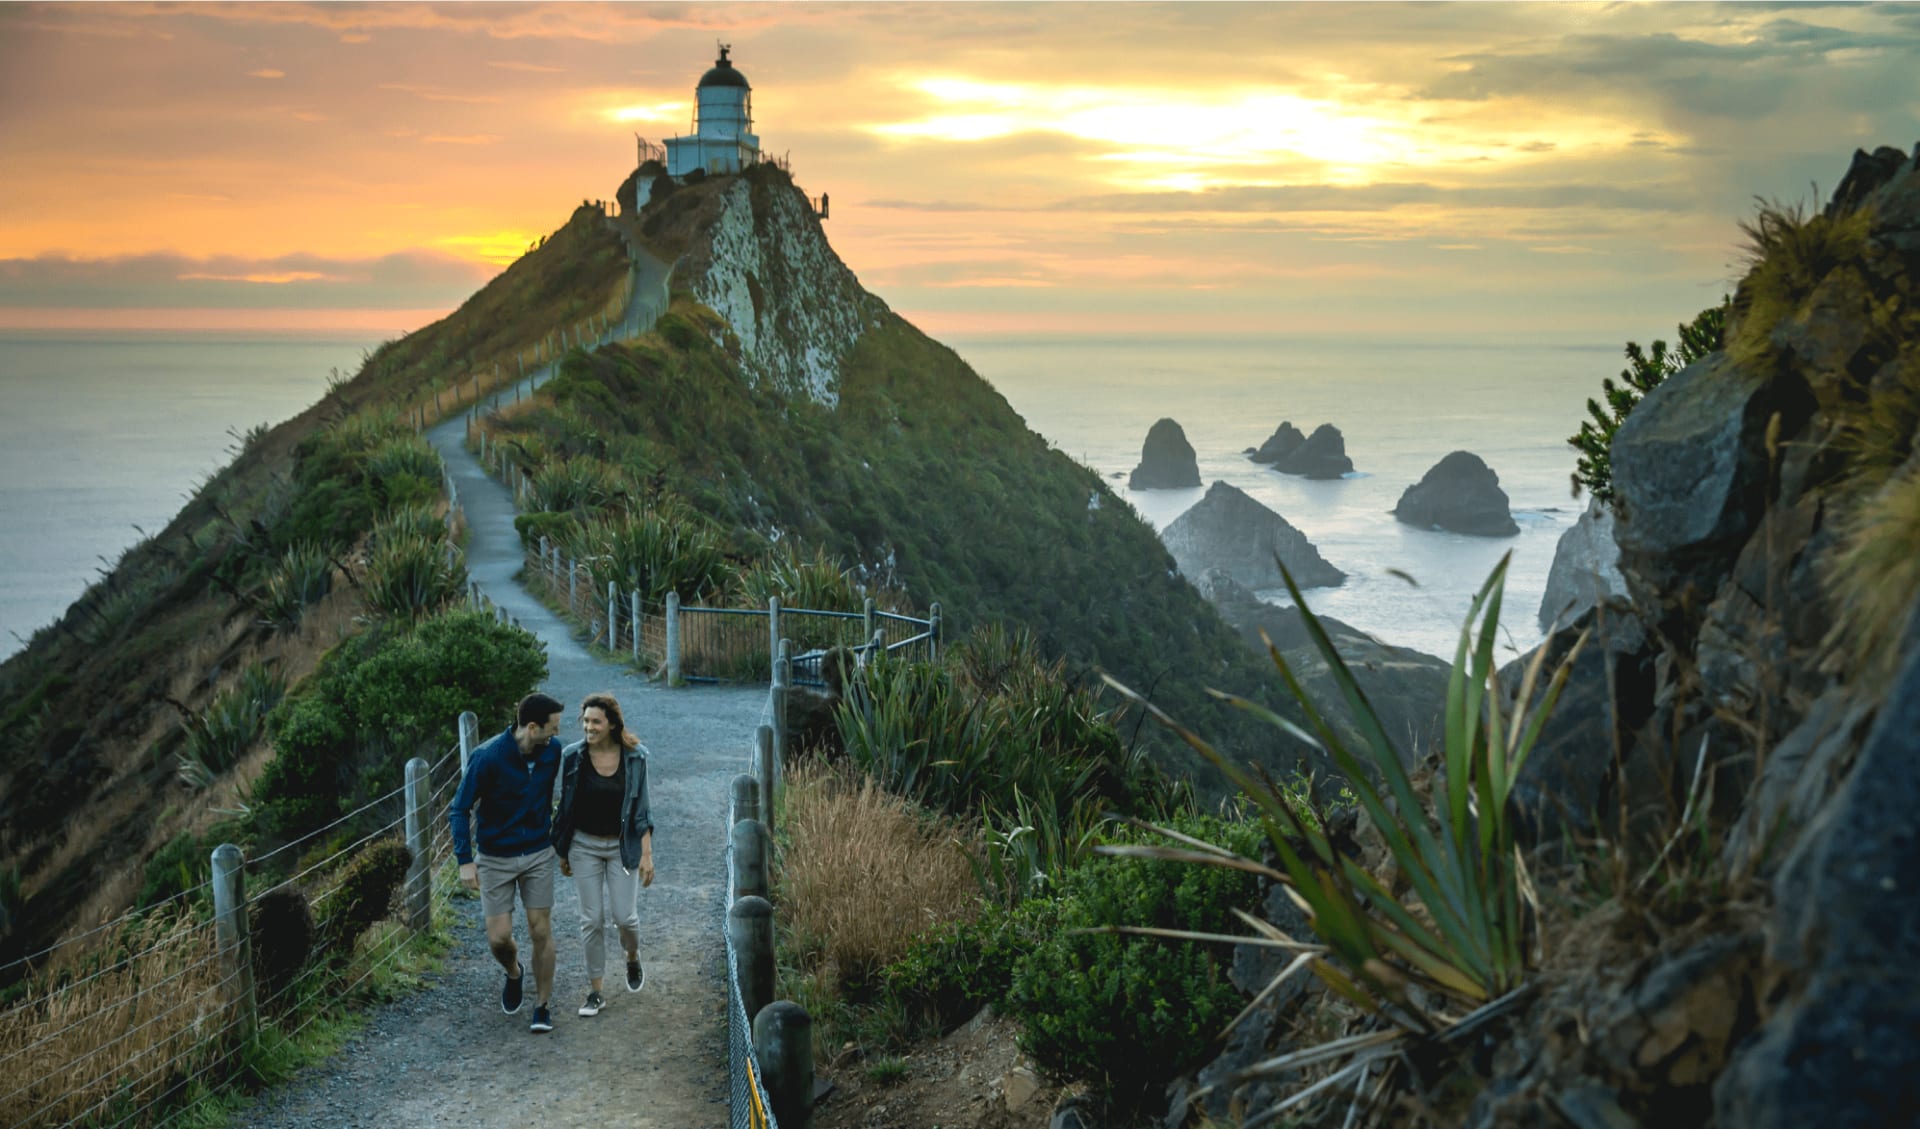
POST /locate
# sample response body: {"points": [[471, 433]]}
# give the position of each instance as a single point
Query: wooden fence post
{"points": [[613, 616], [783, 1050], [419, 834], [745, 801], [749, 841], [232, 935], [673, 638], [573, 581], [633, 613], [866, 619], [782, 684], [750, 932], [773, 626], [763, 764], [469, 738], [933, 632]]}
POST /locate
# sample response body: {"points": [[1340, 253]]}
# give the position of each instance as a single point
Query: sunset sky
{"points": [[1561, 170]]}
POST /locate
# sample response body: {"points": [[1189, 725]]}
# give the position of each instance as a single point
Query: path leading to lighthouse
{"points": [[448, 1055]]}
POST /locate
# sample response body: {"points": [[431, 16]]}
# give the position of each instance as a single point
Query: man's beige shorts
{"points": [[531, 874]]}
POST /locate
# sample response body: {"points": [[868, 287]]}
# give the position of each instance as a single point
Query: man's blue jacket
{"points": [[515, 795]]}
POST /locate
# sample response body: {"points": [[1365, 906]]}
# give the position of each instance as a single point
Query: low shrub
{"points": [[1131, 1012], [302, 579], [410, 576], [364, 895], [218, 736], [801, 580], [283, 933]]}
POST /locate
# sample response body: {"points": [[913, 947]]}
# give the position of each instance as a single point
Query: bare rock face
{"points": [[1461, 494], [1167, 461], [1586, 569], [1284, 441], [1231, 531], [1322, 455]]}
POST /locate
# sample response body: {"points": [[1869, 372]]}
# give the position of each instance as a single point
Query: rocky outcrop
{"points": [[1167, 461], [1321, 455], [1283, 442], [1461, 494], [1585, 570], [1228, 530], [1407, 687]]}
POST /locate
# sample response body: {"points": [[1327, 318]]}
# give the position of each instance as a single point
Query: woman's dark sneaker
{"points": [[635, 976], [593, 1005], [510, 995], [542, 1022]]}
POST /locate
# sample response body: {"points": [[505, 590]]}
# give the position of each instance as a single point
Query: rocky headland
{"points": [[1461, 494], [1167, 461], [1230, 531]]}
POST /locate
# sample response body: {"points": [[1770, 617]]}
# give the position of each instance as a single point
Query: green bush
{"points": [[182, 864], [1130, 1012], [949, 974], [1644, 372], [365, 895], [579, 484], [217, 736], [379, 698], [654, 555], [815, 581]]}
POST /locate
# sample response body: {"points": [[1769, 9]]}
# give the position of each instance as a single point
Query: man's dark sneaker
{"points": [[510, 995], [542, 1022], [593, 1005], [635, 977]]}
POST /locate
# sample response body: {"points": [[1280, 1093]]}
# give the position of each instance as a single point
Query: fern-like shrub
{"points": [[1645, 371]]}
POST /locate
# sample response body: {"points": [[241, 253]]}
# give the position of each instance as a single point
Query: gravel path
{"points": [[448, 1055]]}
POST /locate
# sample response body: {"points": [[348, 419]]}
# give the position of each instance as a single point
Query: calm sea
{"points": [[100, 434], [1401, 407], [103, 433]]}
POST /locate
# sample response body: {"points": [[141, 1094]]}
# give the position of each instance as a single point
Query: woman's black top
{"points": [[597, 808]]}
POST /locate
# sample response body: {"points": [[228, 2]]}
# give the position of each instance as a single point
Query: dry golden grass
{"points": [[1874, 577], [119, 1039], [862, 872]]}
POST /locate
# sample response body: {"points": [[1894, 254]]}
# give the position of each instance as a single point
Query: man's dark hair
{"points": [[536, 708]]}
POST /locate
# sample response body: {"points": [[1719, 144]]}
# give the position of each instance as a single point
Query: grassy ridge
{"points": [[927, 481]]}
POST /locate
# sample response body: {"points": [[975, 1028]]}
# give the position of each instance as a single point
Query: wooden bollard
{"points": [[749, 841], [673, 638], [783, 1049], [419, 831], [750, 932], [233, 937], [746, 799], [766, 770]]}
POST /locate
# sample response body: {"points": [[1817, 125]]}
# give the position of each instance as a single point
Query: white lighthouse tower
{"points": [[722, 140]]}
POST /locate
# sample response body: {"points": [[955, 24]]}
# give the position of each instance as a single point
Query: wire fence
{"points": [[747, 1107], [155, 1029]]}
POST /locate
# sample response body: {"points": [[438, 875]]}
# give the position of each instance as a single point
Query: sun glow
{"points": [[671, 113], [498, 248]]}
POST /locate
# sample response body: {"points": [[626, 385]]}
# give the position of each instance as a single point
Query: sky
{"points": [[1571, 171]]}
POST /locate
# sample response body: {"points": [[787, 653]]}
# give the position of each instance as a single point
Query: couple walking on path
{"points": [[602, 828]]}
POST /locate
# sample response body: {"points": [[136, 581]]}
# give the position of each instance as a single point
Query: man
{"points": [[511, 778]]}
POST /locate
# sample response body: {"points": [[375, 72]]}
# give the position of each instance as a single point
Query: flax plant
{"points": [[1470, 939]]}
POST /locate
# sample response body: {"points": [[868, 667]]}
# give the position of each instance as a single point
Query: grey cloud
{"points": [[410, 280], [1331, 198]]}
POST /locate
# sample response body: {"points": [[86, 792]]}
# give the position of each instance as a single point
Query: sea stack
{"points": [[1283, 442], [1321, 455], [1167, 461], [1460, 494], [1585, 571], [1232, 532]]}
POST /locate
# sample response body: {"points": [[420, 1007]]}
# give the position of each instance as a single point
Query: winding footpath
{"points": [[447, 1055]]}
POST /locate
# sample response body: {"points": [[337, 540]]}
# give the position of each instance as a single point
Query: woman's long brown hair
{"points": [[616, 722]]}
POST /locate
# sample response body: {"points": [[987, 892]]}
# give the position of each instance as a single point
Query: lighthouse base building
{"points": [[722, 140]]}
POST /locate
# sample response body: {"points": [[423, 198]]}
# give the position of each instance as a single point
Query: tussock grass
{"points": [[862, 873], [121, 1039], [1874, 576], [1789, 250]]}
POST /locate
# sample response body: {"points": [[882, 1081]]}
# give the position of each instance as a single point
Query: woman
{"points": [[604, 818]]}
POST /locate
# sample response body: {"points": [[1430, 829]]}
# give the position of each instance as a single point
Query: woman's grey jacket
{"points": [[636, 817]]}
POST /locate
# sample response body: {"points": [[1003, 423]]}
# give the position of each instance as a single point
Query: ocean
{"points": [[105, 435], [1400, 405]]}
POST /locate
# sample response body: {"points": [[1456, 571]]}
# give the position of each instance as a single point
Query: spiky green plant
{"points": [[408, 521], [302, 579], [802, 580], [1471, 937], [576, 484], [410, 576], [217, 736], [407, 454], [651, 554]]}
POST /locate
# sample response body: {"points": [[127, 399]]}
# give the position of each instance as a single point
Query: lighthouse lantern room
{"points": [[722, 140]]}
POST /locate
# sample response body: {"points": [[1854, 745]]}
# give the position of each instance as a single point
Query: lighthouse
{"points": [[722, 140]]}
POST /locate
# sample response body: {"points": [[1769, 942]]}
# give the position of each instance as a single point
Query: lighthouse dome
{"points": [[723, 73]]}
